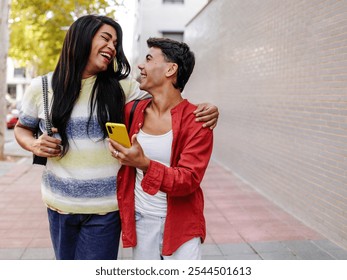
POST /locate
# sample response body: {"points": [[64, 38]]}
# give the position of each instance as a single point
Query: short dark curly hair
{"points": [[179, 53]]}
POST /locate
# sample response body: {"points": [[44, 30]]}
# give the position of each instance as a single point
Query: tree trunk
{"points": [[4, 12]]}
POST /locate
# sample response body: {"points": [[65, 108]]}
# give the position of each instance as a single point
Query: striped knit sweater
{"points": [[84, 180]]}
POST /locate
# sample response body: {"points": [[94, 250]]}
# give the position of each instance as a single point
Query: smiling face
{"points": [[103, 51], [154, 70]]}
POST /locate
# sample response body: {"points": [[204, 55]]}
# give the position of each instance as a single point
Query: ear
{"points": [[172, 70]]}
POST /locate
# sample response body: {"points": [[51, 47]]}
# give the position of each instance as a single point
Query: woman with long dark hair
{"points": [[88, 88]]}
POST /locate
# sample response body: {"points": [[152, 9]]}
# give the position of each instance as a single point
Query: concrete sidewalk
{"points": [[241, 224]]}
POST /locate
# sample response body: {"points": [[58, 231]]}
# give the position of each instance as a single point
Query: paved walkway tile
{"points": [[241, 224]]}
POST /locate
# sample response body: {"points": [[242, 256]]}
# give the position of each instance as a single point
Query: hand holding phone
{"points": [[118, 133]]}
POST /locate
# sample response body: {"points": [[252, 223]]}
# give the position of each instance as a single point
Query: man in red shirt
{"points": [[158, 187]]}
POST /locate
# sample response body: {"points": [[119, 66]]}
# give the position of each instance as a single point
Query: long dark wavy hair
{"points": [[107, 95]]}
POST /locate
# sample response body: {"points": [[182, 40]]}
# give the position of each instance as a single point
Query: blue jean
{"points": [[85, 236]]}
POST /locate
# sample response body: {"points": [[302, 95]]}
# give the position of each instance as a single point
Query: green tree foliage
{"points": [[38, 28]]}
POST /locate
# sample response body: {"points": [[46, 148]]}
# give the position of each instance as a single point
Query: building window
{"points": [[178, 36], [12, 90], [19, 72], [173, 1]]}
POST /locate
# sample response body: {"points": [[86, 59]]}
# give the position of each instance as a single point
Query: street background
{"points": [[276, 69], [241, 223]]}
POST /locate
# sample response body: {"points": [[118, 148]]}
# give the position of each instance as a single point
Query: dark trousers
{"points": [[85, 236]]}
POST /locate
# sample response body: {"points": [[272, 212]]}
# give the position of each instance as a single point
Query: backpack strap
{"points": [[132, 113], [45, 105]]}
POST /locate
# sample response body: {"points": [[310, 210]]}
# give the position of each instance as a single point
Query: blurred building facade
{"points": [[161, 18], [277, 70], [17, 80]]}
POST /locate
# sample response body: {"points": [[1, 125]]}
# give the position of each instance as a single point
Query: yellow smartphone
{"points": [[118, 132]]}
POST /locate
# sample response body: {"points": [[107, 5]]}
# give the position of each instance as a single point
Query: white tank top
{"points": [[158, 148]]}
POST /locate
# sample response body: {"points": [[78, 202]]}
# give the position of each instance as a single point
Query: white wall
{"points": [[277, 70]]}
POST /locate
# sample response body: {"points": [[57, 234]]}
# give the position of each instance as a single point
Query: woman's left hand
{"points": [[207, 113]]}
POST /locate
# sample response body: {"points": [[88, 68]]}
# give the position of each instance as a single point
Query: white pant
{"points": [[149, 231]]}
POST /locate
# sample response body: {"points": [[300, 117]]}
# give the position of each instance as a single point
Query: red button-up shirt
{"points": [[191, 152]]}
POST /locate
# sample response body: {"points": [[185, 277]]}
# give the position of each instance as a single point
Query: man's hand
{"points": [[133, 156], [208, 114]]}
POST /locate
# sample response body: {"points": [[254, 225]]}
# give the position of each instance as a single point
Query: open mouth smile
{"points": [[142, 75], [106, 55]]}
